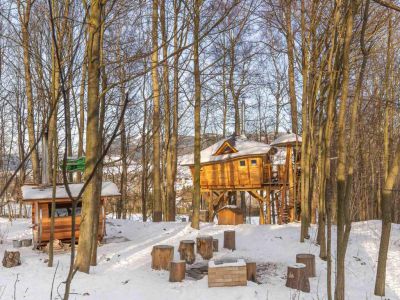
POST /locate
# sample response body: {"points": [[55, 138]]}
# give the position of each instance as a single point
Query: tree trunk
{"points": [[197, 108], [304, 162], [391, 170], [290, 54], [81, 129], [343, 218], [157, 205], [90, 197], [24, 20]]}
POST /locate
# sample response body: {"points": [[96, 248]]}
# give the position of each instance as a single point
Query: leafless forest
{"points": [[131, 85]]}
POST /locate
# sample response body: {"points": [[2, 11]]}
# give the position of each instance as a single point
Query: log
{"points": [[251, 271], [186, 251], [229, 239], [11, 259], [161, 256], [215, 245], [205, 246], [177, 271], [309, 261], [297, 279]]}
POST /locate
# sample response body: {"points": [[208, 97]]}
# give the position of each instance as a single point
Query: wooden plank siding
{"points": [[62, 226], [239, 173]]}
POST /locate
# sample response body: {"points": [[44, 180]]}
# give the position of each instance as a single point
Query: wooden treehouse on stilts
{"points": [[236, 165]]}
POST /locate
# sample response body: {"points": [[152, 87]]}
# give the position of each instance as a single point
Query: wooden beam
{"points": [[261, 205]]}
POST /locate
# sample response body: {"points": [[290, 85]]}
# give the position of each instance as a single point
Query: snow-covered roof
{"points": [[231, 207], [34, 192], [243, 146], [221, 264], [287, 139]]}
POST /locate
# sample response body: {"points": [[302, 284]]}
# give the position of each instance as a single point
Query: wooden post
{"points": [[309, 261], [215, 245], [186, 251], [279, 209], [262, 215], [284, 206], [177, 271], [205, 246], [229, 239], [292, 187], [251, 271], [211, 207], [161, 256], [297, 279], [268, 204]]}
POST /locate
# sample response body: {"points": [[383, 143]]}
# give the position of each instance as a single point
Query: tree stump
{"points": [[161, 256], [309, 261], [297, 279], [205, 246], [177, 271], [26, 242], [186, 251], [229, 239], [215, 245], [251, 271], [11, 259]]}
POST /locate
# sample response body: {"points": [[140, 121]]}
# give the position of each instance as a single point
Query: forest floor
{"points": [[124, 272]]}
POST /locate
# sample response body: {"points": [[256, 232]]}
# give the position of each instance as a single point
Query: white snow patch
{"points": [[32, 192], [124, 266], [283, 140]]}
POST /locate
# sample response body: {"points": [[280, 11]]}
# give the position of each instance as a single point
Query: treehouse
{"points": [[236, 164], [41, 199]]}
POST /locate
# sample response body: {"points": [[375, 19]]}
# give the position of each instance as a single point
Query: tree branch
{"points": [[388, 4]]}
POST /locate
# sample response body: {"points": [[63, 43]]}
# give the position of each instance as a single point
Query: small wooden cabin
{"points": [[41, 199], [230, 215]]}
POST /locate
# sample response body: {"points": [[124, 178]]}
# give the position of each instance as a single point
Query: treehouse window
{"points": [[254, 162], [242, 163], [65, 210]]}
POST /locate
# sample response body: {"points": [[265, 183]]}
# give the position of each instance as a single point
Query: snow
{"points": [[238, 263], [32, 192], [124, 263], [241, 144], [283, 140]]}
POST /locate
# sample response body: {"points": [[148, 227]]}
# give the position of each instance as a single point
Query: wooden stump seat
{"points": [[161, 256], [215, 245], [11, 259], [186, 251], [297, 279], [229, 240], [177, 271], [205, 246], [309, 261], [251, 271]]}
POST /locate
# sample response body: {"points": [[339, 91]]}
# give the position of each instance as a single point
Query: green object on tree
{"points": [[75, 164]]}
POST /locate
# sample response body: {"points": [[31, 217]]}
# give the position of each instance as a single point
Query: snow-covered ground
{"points": [[124, 272]]}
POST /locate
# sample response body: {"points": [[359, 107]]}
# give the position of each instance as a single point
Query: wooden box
{"points": [[232, 273]]}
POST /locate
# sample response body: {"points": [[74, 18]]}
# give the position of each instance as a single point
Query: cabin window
{"points": [[242, 163], [254, 162], [65, 210], [227, 149]]}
